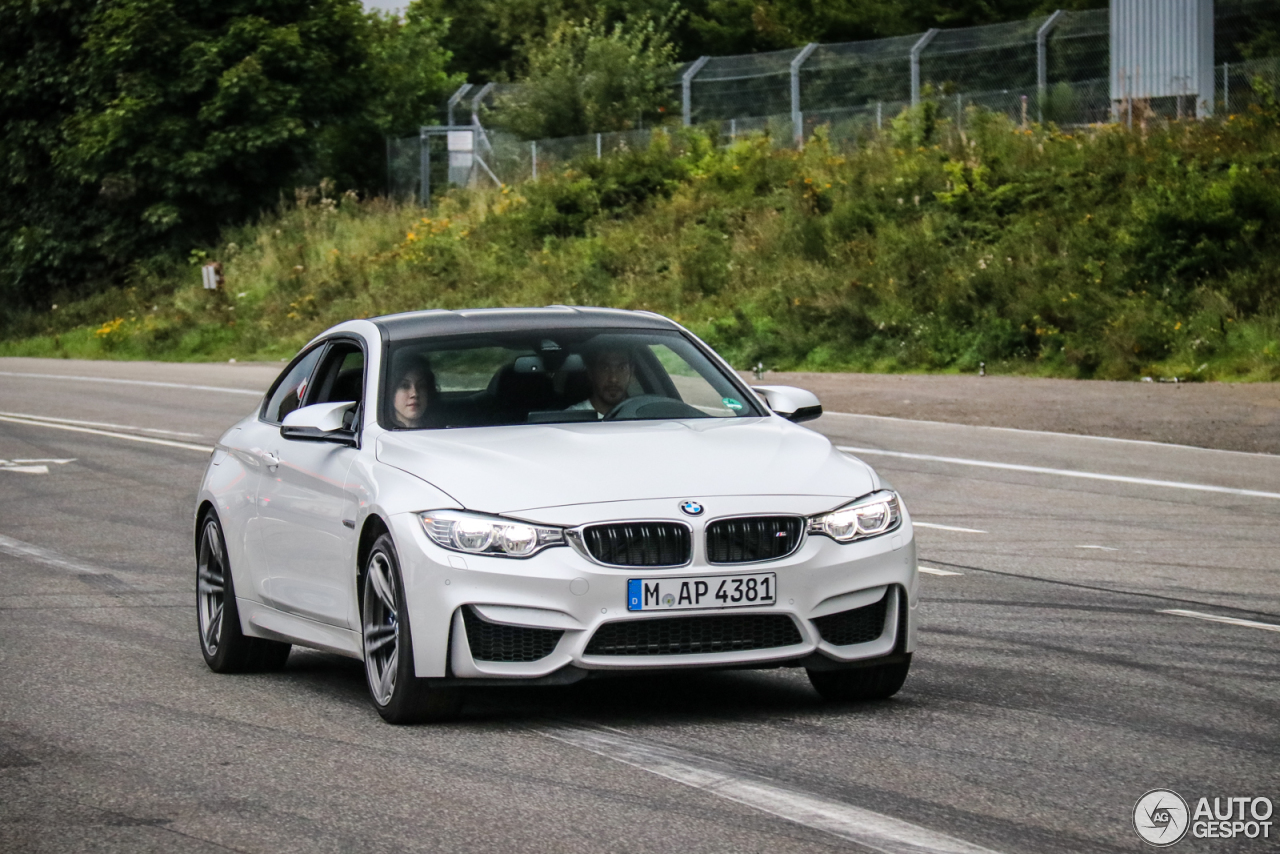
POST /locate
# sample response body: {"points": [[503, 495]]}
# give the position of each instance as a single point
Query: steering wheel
{"points": [[652, 406]]}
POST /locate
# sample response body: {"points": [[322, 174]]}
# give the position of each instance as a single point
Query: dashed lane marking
{"points": [[872, 830], [1054, 434], [17, 548], [155, 430], [152, 383], [1087, 475], [151, 440], [929, 570], [945, 527], [31, 466], [1214, 618], [1100, 548]]}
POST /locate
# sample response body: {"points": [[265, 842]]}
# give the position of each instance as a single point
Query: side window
{"points": [[291, 388], [341, 375]]}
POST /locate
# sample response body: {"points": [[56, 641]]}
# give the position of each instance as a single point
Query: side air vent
{"points": [[859, 625], [498, 642], [638, 543], [753, 539]]}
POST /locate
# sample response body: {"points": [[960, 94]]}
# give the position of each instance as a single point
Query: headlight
{"points": [[875, 514], [475, 534]]}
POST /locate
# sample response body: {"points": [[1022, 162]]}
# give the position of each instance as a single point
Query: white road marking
{"points": [[944, 527], [31, 466], [1214, 618], [17, 548], [1088, 475], [1099, 548], [152, 383], [148, 439], [100, 424], [872, 830], [934, 571], [1052, 433]]}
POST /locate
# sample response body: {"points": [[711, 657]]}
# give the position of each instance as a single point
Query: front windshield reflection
{"points": [[555, 377]]}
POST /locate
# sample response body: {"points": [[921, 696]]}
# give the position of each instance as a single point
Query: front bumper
{"points": [[562, 591]]}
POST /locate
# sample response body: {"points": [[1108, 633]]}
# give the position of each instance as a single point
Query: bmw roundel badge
{"points": [[691, 508]]}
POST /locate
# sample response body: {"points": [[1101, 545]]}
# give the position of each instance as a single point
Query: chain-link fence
{"points": [[1048, 68]]}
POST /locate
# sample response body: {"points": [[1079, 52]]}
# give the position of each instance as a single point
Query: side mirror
{"points": [[793, 404], [322, 422]]}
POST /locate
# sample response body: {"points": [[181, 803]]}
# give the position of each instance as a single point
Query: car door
{"points": [[306, 513], [257, 442]]}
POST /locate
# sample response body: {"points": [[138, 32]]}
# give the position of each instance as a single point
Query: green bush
{"points": [[1090, 253]]}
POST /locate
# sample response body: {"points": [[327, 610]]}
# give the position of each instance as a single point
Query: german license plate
{"points": [[708, 591]]}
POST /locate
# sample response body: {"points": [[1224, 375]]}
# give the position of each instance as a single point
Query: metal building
{"points": [[1162, 49]]}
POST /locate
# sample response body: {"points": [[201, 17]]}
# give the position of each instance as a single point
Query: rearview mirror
{"points": [[793, 404], [322, 422]]}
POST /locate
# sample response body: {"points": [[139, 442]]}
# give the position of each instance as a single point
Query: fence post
{"points": [[599, 153], [797, 118], [686, 85], [1042, 63], [455, 98], [390, 192], [915, 63], [733, 129], [477, 100], [424, 166], [533, 153], [1226, 88], [879, 115]]}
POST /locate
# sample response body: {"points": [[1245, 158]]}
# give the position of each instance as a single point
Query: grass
{"points": [[1102, 253]]}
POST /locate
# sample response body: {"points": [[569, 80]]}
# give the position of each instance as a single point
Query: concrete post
{"points": [[686, 85], [916, 49], [797, 118], [1042, 61]]}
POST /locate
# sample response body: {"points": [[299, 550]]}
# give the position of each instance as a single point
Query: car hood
{"points": [[530, 466]]}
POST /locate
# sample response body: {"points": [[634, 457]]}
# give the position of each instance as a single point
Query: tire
{"points": [[877, 682], [225, 647], [396, 692]]}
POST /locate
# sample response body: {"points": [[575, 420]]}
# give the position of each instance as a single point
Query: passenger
{"points": [[609, 370], [413, 392]]}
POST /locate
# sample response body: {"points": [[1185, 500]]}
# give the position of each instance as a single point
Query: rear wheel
{"points": [[877, 682], [225, 647], [398, 695]]}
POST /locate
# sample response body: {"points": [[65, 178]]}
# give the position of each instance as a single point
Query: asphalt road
{"points": [[1049, 691]]}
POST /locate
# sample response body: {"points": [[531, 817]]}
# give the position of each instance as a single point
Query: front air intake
{"points": [[499, 642], [638, 543], [858, 625], [753, 539], [694, 635]]}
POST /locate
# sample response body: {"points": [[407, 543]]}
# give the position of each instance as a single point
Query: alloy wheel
{"points": [[381, 623], [211, 586]]}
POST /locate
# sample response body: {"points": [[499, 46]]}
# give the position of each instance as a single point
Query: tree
{"points": [[587, 78], [136, 127]]}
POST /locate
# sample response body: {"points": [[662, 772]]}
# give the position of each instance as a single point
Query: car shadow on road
{"points": [[614, 700]]}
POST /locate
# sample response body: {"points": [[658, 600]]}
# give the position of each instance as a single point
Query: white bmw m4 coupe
{"points": [[538, 496]]}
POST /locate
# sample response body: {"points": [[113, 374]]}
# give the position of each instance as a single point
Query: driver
{"points": [[610, 369]]}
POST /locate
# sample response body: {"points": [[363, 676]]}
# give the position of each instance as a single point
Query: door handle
{"points": [[270, 459]]}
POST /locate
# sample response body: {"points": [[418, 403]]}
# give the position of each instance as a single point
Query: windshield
{"points": [[554, 377]]}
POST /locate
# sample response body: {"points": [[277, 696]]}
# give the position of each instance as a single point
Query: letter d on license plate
{"points": [[707, 591]]}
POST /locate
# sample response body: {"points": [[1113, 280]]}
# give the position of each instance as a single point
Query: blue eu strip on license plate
{"points": [[708, 591]]}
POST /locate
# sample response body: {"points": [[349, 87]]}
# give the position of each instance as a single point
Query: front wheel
{"points": [[225, 647], [398, 695], [877, 682]]}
